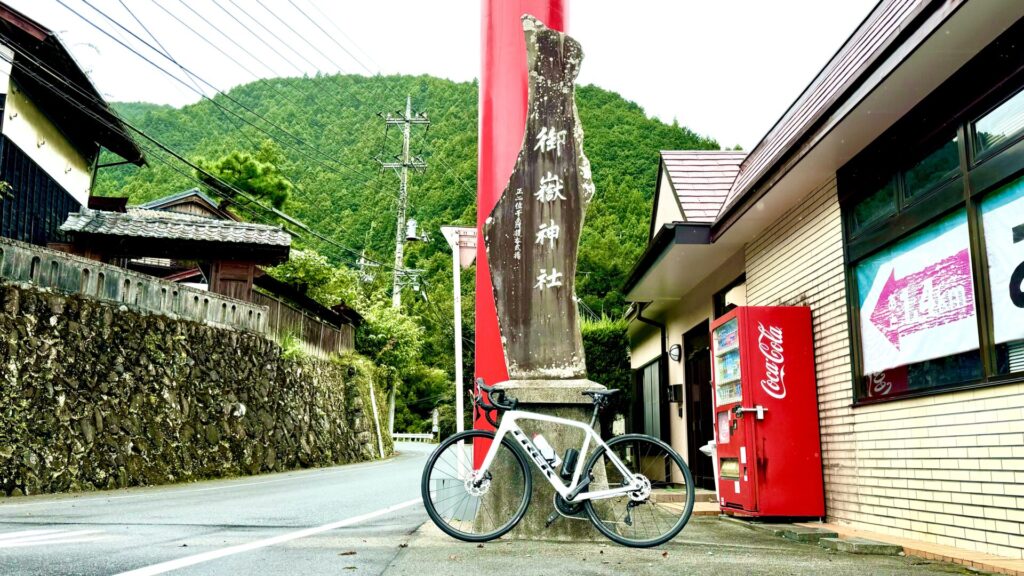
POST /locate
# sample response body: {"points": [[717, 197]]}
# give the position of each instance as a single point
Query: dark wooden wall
{"points": [[36, 205]]}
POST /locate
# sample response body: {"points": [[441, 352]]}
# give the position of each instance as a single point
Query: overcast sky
{"points": [[724, 68]]}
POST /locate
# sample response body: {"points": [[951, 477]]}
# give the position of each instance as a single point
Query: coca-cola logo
{"points": [[878, 385], [769, 342]]}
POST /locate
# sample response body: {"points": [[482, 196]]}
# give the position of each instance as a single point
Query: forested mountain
{"points": [[326, 134], [340, 191]]}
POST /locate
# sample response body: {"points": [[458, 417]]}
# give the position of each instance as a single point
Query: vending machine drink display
{"points": [[766, 413]]}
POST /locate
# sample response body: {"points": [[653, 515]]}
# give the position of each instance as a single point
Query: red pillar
{"points": [[503, 101]]}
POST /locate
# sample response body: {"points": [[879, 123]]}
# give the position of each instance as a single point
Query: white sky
{"points": [[724, 68]]}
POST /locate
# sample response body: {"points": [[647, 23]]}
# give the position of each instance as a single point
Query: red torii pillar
{"points": [[503, 102]]}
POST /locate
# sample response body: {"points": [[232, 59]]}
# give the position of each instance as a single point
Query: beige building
{"points": [[889, 198]]}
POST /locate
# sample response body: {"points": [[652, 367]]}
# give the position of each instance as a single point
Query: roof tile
{"points": [[143, 223], [701, 179]]}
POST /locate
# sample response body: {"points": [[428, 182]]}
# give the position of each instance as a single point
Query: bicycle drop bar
{"points": [[495, 401]]}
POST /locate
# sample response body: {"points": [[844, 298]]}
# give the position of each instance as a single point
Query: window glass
{"points": [[918, 317], [1002, 214], [878, 205], [936, 167], [999, 125]]}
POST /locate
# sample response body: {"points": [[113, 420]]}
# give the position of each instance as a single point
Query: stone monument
{"points": [[532, 237]]}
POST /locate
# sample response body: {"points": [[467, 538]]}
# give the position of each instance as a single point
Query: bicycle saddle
{"points": [[598, 394]]}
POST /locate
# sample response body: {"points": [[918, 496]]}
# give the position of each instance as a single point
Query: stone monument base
{"points": [[563, 399]]}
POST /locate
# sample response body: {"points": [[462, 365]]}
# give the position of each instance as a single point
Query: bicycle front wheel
{"points": [[652, 515], [469, 505]]}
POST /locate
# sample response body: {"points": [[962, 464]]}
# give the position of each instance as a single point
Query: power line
{"points": [[204, 96], [192, 78], [164, 148], [255, 35], [272, 34], [329, 37], [347, 37], [228, 37], [219, 49], [207, 40], [300, 36]]}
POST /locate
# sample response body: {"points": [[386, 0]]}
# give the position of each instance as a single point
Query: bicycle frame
{"points": [[573, 491]]}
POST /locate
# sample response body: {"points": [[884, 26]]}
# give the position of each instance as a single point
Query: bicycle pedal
{"points": [[551, 519]]}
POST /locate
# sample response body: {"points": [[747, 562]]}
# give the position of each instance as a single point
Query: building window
{"points": [[733, 295], [1002, 217], [933, 221], [999, 126], [918, 319]]}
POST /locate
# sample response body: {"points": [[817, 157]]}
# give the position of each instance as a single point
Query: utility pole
{"points": [[401, 166]]}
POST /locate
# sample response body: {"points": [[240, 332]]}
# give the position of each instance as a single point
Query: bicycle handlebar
{"points": [[494, 402]]}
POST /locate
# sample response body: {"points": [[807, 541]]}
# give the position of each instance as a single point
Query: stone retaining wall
{"points": [[95, 395]]}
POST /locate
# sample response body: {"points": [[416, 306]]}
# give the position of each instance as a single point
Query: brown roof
{"points": [[157, 224], [701, 179], [837, 79]]}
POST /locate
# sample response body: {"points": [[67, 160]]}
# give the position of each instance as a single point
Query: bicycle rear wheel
{"points": [[647, 517], [470, 506]]}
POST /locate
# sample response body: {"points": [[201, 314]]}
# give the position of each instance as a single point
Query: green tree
{"points": [[258, 175], [317, 277], [606, 346]]}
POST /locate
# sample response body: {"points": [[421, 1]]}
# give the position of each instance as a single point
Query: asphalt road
{"points": [[346, 519]]}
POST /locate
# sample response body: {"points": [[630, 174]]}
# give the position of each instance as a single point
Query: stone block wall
{"points": [[95, 395]]}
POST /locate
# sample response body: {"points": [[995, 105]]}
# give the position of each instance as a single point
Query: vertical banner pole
{"points": [[503, 101]]}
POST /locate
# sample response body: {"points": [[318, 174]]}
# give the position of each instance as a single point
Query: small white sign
{"points": [[1003, 219]]}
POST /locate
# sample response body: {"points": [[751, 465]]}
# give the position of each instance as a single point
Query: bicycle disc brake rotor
{"points": [[476, 485], [644, 492]]}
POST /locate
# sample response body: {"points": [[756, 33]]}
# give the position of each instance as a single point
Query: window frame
{"points": [[987, 82]]}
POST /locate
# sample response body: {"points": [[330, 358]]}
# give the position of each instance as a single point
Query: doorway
{"points": [[699, 417]]}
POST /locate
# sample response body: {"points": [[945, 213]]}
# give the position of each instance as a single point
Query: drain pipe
{"points": [[662, 362]]}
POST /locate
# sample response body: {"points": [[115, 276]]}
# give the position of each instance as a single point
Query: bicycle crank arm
{"points": [[551, 519]]}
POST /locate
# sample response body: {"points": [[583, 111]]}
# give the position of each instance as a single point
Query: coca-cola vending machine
{"points": [[766, 413]]}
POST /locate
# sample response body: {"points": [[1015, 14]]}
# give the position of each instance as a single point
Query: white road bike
{"points": [[635, 489]]}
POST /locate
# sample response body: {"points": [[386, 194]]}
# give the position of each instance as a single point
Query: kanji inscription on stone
{"points": [[532, 235]]}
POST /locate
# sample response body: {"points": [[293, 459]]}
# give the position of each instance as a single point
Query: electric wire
{"points": [[207, 98], [164, 53], [299, 36], [271, 33], [264, 81], [164, 148], [331, 38], [167, 54]]}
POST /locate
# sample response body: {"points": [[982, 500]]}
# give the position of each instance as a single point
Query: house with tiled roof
{"points": [[225, 252], [888, 200], [188, 238]]}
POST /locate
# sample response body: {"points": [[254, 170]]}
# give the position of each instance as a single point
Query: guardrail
{"points": [[422, 437], [20, 262]]}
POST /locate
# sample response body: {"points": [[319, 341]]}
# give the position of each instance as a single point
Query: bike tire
{"points": [[680, 473], [508, 455]]}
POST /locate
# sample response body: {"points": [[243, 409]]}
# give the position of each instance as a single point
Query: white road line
{"points": [[215, 554], [49, 537], [25, 533], [48, 543]]}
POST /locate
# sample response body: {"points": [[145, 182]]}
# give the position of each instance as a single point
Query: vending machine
{"points": [[766, 413]]}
